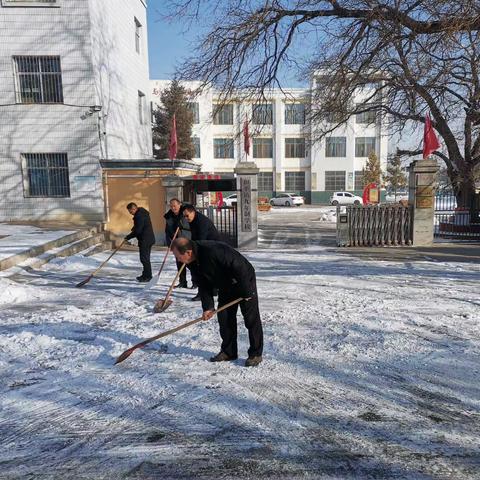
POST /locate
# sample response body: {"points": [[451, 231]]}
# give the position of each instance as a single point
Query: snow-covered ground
{"points": [[371, 370]]}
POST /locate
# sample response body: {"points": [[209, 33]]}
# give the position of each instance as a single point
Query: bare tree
{"points": [[415, 56]]}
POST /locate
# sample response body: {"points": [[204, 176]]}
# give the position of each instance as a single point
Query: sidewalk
{"points": [[438, 252]]}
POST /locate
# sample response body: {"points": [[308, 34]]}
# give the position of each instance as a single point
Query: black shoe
{"points": [[144, 279], [197, 298], [253, 361], [222, 357], [181, 285], [140, 278], [193, 287]]}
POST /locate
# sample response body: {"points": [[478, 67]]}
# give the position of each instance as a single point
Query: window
{"points": [[265, 181], [46, 175], [335, 180], [364, 146], [262, 148], [193, 106], [196, 145], [294, 148], [336, 147], [334, 117], [358, 180], [294, 181], [222, 148], [141, 107], [223, 114], [31, 3], [38, 79], [138, 35], [262, 114], [294, 114], [367, 118]]}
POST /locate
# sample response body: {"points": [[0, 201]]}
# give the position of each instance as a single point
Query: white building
{"points": [[281, 143], [73, 88]]}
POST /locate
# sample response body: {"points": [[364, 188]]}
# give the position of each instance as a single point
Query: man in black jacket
{"points": [[201, 228], [143, 231], [217, 265], [173, 220]]}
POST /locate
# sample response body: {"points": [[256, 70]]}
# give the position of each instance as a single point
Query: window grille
{"points": [[39, 79], [194, 107], [364, 146], [265, 181], [223, 148], [294, 114], [262, 148], [262, 114], [196, 145], [223, 114], [335, 180], [138, 35], [46, 175], [294, 148], [294, 181], [336, 147], [358, 180], [141, 107]]}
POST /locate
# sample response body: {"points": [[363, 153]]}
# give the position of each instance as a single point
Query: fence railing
{"points": [[376, 225], [225, 220]]}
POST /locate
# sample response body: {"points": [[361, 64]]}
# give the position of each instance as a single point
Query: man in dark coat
{"points": [[173, 220], [143, 231], [217, 265], [201, 228]]}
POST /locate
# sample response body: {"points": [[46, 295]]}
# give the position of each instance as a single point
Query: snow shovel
{"points": [[84, 282], [128, 352], [162, 305], [155, 278]]}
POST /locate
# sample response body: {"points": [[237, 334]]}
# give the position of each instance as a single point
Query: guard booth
{"points": [[198, 190]]}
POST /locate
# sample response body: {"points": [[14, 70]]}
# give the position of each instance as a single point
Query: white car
{"points": [[287, 200], [345, 198], [228, 201], [401, 195]]}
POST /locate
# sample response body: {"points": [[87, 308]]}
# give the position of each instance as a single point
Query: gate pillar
{"points": [[247, 194], [421, 198]]}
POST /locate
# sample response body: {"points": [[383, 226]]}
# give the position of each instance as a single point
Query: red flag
{"points": [[246, 138], [219, 196], [172, 147], [430, 140]]}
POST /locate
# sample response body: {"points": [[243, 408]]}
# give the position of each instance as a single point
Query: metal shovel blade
{"points": [[162, 305], [83, 282]]}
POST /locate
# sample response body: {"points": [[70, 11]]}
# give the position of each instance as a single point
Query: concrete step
{"points": [[37, 251], [100, 247]]}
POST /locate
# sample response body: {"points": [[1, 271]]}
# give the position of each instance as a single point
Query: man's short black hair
{"points": [[131, 205], [182, 245], [174, 200], [189, 208]]}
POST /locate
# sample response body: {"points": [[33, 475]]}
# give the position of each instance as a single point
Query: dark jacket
{"points": [[217, 265], [173, 221], [142, 228], [202, 228]]}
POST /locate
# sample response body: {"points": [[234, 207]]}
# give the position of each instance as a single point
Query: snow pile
{"points": [[12, 292]]}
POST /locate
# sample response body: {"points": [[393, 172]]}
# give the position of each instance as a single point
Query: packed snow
{"points": [[371, 370]]}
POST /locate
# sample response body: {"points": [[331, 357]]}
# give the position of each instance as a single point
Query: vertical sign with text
{"points": [[246, 204]]}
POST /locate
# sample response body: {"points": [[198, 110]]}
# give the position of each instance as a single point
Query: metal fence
{"points": [[225, 220], [456, 222], [377, 225]]}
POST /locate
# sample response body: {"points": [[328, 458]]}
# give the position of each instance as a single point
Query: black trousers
{"points": [[227, 321], [183, 275], [145, 251]]}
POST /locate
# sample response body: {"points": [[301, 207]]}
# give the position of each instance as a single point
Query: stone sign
{"points": [[246, 199]]}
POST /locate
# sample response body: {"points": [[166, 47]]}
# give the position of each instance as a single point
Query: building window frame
{"points": [[195, 109], [295, 181], [141, 107], [262, 147], [265, 182], [335, 147], [358, 180], [138, 35], [262, 114], [295, 147], [45, 175], [197, 147], [39, 74], [364, 146], [335, 180], [223, 114], [294, 114], [32, 3], [223, 148]]}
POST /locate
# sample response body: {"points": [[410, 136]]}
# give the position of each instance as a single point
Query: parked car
{"points": [[345, 198], [287, 200], [228, 201]]}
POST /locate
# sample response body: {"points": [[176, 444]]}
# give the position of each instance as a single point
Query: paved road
{"points": [[297, 227]]}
